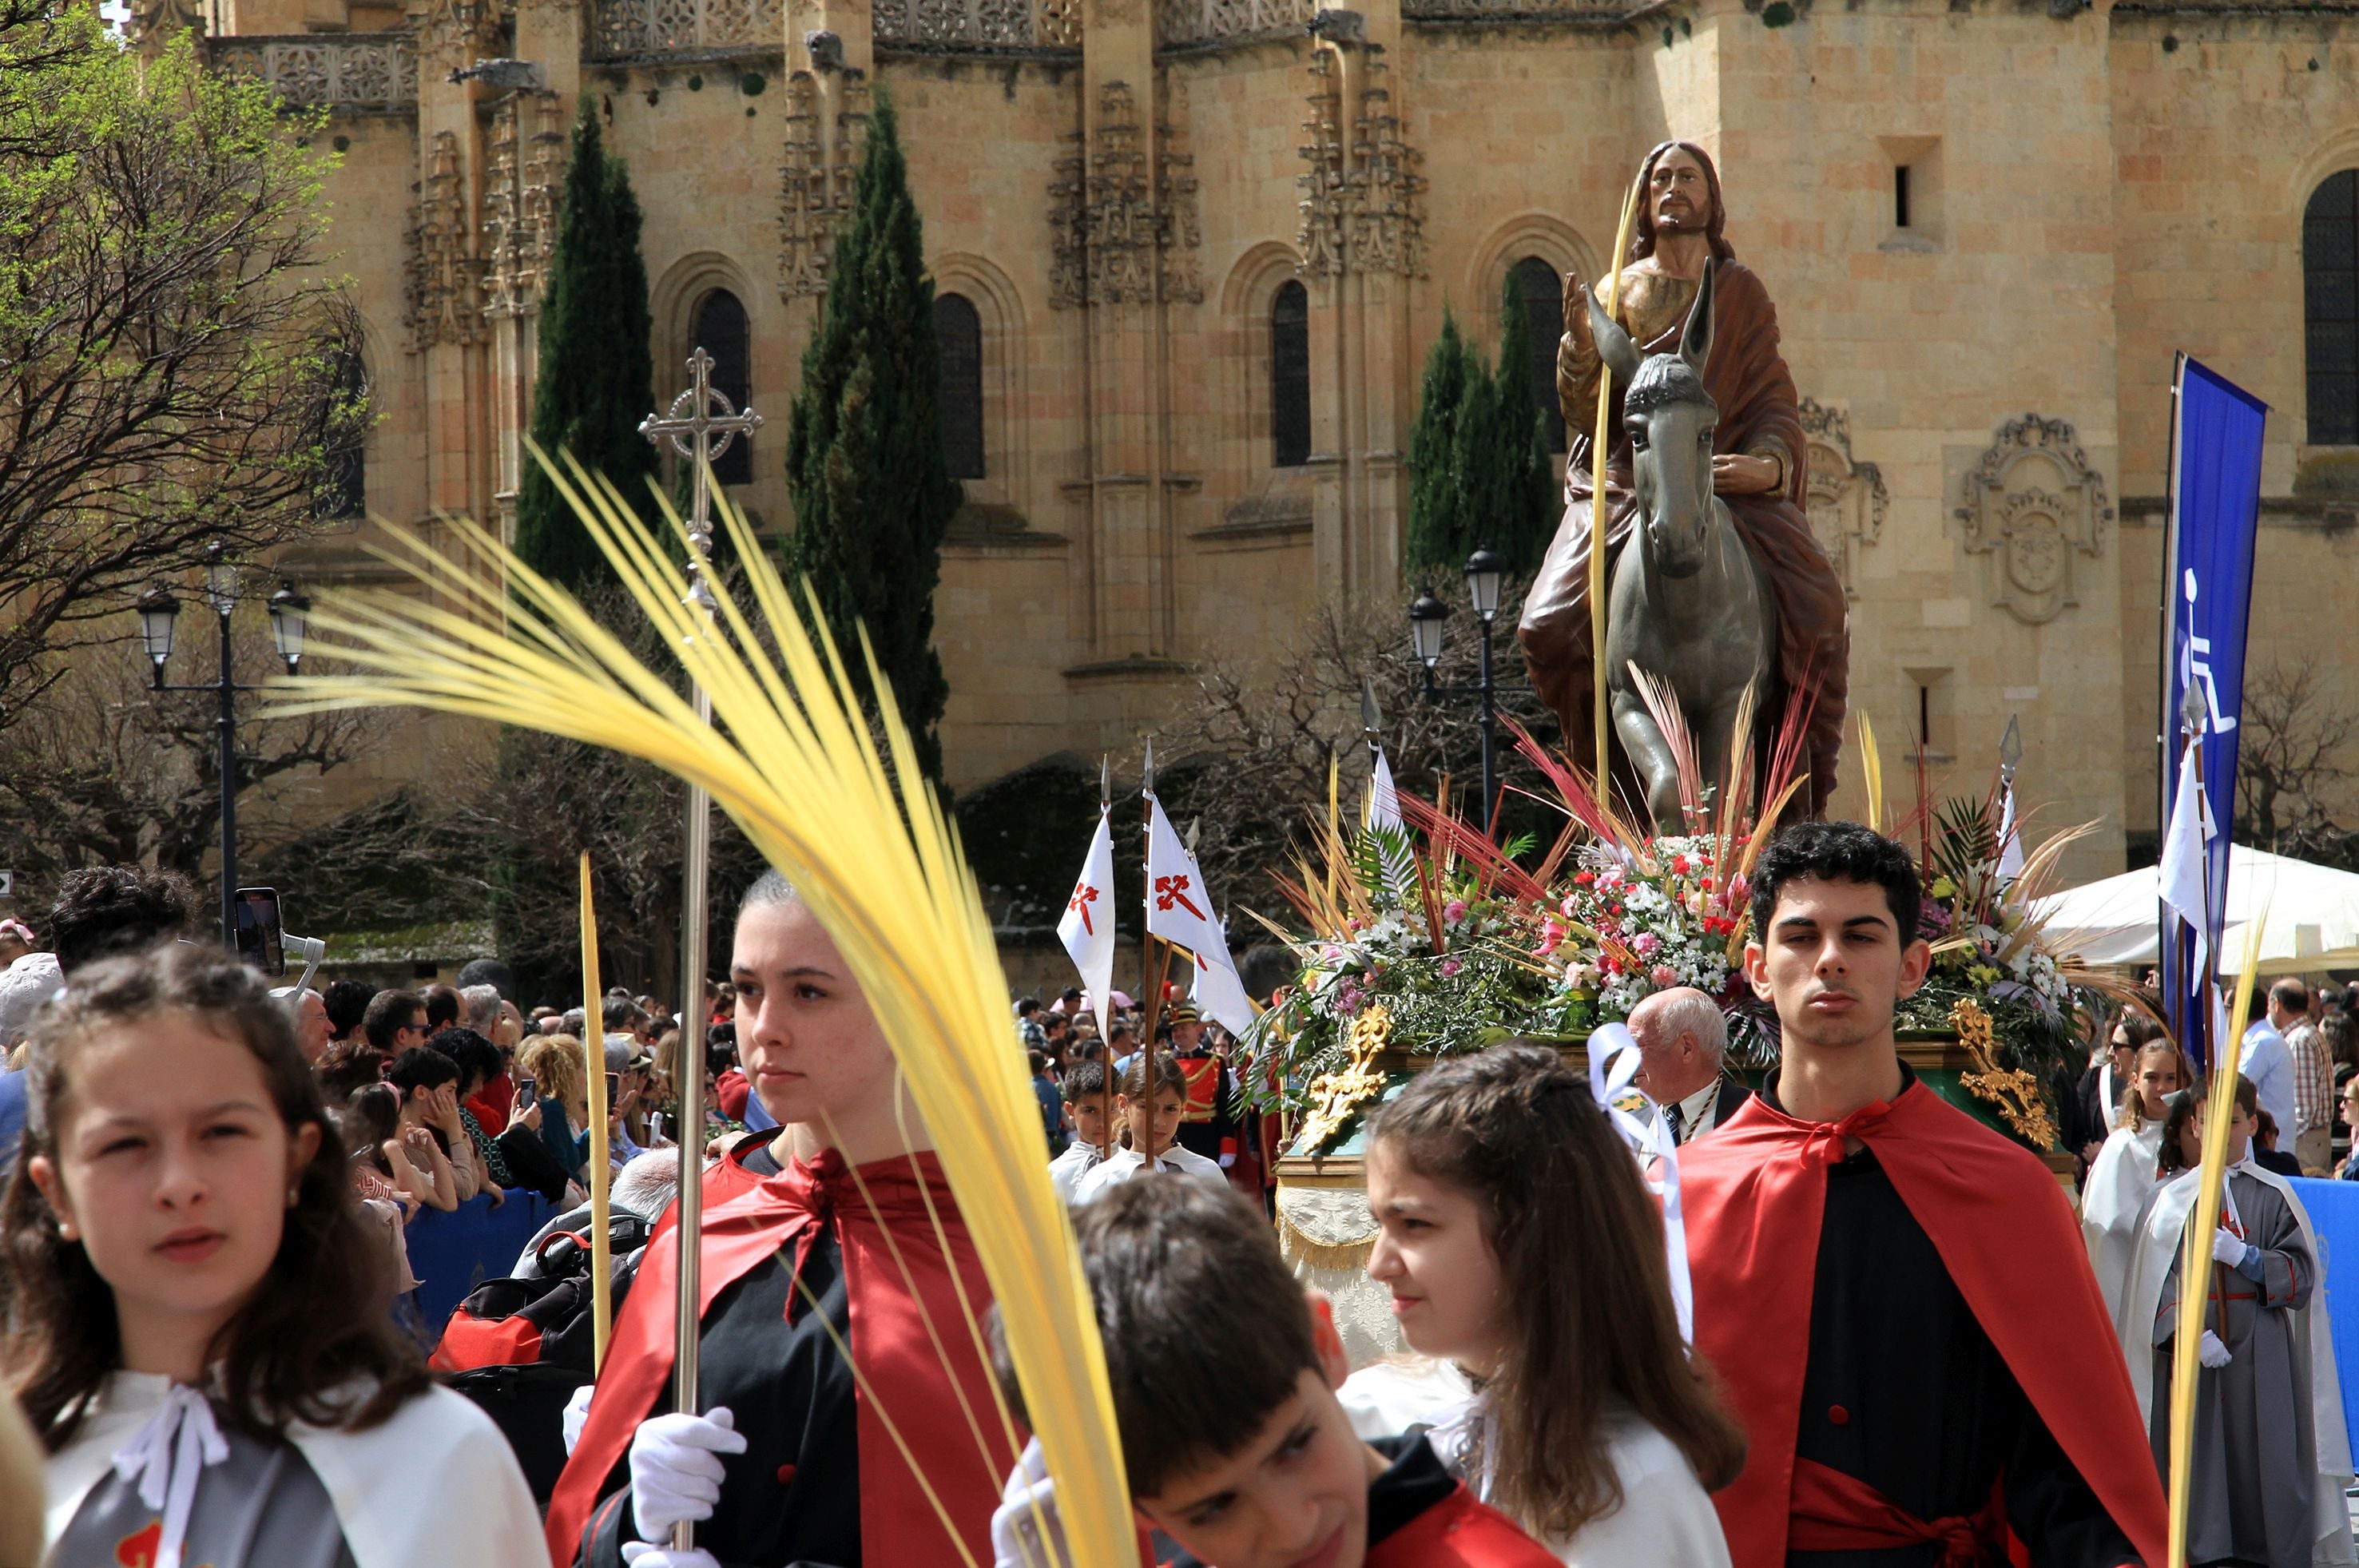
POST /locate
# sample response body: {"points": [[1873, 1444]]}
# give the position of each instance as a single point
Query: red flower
{"points": [[1584, 878], [1679, 866]]}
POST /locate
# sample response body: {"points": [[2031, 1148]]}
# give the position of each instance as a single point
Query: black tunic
{"points": [[1904, 1390], [792, 1499]]}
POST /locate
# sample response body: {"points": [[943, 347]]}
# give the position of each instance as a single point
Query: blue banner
{"points": [[2207, 598]]}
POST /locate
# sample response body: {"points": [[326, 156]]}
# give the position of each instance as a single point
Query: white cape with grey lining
{"points": [[2153, 1253]]}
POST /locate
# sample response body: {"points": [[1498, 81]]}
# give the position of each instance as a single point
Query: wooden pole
{"points": [[593, 1026], [1597, 494]]}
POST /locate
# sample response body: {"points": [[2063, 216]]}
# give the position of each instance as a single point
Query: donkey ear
{"points": [[1614, 345], [1695, 343]]}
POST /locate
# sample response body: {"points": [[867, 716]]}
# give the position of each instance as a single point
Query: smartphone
{"points": [[613, 1086], [524, 1094], [260, 938]]}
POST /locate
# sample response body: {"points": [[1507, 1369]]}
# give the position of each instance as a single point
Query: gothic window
{"points": [[2330, 268], [961, 332], [1289, 376], [1543, 293], [721, 332], [343, 489]]}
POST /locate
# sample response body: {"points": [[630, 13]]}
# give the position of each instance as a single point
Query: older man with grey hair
{"points": [[479, 1008], [1682, 1040]]}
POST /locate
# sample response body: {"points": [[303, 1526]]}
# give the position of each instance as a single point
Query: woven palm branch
{"points": [[865, 840]]}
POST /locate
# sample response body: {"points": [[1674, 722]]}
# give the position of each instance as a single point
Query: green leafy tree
{"points": [[596, 372], [871, 487], [175, 354], [1438, 532], [1527, 503]]}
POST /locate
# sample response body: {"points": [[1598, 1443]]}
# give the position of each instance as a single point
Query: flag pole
{"points": [[593, 1025], [1154, 960], [1105, 1078]]}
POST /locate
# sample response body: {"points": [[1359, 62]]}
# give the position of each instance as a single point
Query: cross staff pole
{"points": [[701, 437], [1153, 963]]}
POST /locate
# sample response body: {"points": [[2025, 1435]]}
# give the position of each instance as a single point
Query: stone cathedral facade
{"points": [[1191, 252]]}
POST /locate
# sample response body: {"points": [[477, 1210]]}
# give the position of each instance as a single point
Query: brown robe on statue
{"points": [[1760, 415]]}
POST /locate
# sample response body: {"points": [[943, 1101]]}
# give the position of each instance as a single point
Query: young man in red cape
{"points": [[1896, 1298], [838, 1234]]}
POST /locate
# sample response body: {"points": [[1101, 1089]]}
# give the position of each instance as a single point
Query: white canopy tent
{"points": [[2312, 919]]}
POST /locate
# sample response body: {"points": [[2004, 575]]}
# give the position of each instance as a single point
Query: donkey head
{"points": [[1670, 419]]}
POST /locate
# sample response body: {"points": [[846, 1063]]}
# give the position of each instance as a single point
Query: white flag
{"points": [[1178, 908], [1220, 996], [1087, 928], [2010, 842], [2181, 883], [1383, 801]]}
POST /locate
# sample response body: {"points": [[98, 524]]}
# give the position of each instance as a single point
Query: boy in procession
{"points": [[792, 1460], [1896, 1298], [1085, 1108], [1223, 1383]]}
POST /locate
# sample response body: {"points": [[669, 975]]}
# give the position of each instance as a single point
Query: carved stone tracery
{"points": [[2033, 506], [1847, 498], [453, 34], [523, 168], [1361, 213], [816, 179], [1124, 226], [442, 282]]}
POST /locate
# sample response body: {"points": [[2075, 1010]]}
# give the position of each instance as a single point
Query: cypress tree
{"points": [[596, 374], [1527, 490], [1436, 528], [872, 490]]}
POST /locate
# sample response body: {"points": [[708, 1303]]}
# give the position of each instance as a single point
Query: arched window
{"points": [[1289, 376], [1543, 293], [2329, 274], [721, 332], [961, 332], [343, 424]]}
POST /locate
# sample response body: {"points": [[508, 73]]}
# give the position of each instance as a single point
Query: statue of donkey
{"points": [[1688, 604]]}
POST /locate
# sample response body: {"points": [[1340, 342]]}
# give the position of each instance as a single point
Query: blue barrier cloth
{"points": [[2334, 1214], [453, 1253]]}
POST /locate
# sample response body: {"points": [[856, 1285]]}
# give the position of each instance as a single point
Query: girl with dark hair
{"points": [[200, 1329], [1524, 1253], [1149, 1122]]}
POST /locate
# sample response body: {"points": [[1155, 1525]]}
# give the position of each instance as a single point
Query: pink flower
{"points": [[1454, 911], [1737, 889], [1568, 908], [1664, 977], [1647, 942], [1551, 937], [1449, 968]]}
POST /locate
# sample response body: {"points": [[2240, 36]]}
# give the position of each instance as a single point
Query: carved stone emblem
{"points": [[2032, 507], [1847, 498]]}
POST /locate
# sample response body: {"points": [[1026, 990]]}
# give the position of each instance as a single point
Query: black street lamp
{"points": [[158, 615], [1484, 572]]}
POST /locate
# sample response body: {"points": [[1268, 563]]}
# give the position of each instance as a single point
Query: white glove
{"points": [[2227, 1247], [577, 1411], [1025, 1529], [2213, 1353], [1228, 1161], [639, 1554], [676, 1467]]}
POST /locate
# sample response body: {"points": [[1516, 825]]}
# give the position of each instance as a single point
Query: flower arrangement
{"points": [[1428, 939]]}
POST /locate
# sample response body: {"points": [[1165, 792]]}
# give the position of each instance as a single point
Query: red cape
{"points": [[1754, 1193], [915, 1360], [1460, 1531]]}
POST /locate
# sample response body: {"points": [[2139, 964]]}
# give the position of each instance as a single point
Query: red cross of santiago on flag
{"points": [[1090, 946]]}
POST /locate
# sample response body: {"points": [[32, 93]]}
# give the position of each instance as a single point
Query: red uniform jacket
{"points": [[902, 1295], [1755, 1193]]}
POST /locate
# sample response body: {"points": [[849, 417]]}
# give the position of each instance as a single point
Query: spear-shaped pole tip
{"points": [[1372, 718], [1146, 770], [2010, 748], [1105, 779], [1192, 829], [2192, 712]]}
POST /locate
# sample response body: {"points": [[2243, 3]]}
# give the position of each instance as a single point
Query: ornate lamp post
{"points": [[158, 616], [1484, 574]]}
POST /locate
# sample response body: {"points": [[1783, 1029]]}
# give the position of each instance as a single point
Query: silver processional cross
{"points": [[700, 435]]}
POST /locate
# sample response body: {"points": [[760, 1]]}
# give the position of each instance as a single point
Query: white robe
{"points": [[435, 1482], [2120, 1182], [1666, 1519], [1124, 1165], [2155, 1249]]}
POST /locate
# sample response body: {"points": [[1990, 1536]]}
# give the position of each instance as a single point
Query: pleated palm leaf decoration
{"points": [[791, 760]]}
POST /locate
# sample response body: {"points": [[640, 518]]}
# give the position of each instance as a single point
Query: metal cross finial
{"points": [[701, 436]]}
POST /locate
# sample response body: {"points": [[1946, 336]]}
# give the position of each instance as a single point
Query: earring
{"points": [[291, 1193], [66, 1231]]}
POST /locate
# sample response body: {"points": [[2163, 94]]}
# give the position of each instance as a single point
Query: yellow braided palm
{"points": [[791, 760]]}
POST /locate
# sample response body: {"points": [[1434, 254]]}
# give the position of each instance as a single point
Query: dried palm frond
{"points": [[865, 840]]}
